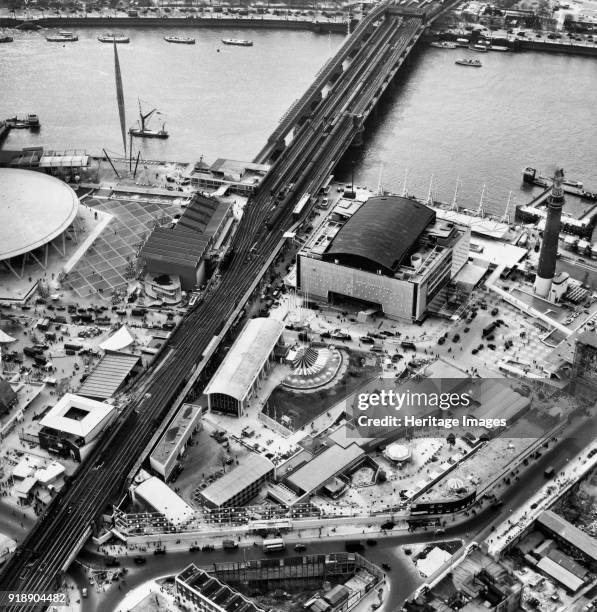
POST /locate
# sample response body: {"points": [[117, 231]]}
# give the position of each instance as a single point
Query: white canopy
{"points": [[5, 338], [118, 340]]}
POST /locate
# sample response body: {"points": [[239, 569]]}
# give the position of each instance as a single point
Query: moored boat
{"points": [[62, 36], [478, 48], [181, 40], [111, 38], [6, 39], [238, 42], [31, 121], [444, 44], [475, 63], [143, 131]]}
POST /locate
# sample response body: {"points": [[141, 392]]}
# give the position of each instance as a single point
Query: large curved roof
{"points": [[380, 234], [245, 359], [35, 208]]}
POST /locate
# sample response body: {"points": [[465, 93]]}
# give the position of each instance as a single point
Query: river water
{"points": [[216, 100], [480, 124]]}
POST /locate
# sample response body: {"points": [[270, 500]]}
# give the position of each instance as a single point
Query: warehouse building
{"points": [[241, 485], [73, 423], [245, 365], [164, 457], [179, 249], [569, 537], [391, 254]]}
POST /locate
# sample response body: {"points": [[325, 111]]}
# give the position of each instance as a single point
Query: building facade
{"points": [[391, 254]]}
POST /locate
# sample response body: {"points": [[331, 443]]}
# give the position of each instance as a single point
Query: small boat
{"points": [[479, 48], [142, 131], [444, 44], [62, 36], [462, 42], [181, 40], [238, 42], [499, 48], [6, 39], [475, 63], [111, 38]]}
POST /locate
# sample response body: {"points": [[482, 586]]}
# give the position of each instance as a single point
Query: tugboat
{"points": [[238, 42], [181, 40], [113, 38], [475, 63], [443, 44], [62, 36], [142, 131]]}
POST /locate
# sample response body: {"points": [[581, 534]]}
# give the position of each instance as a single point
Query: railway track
{"points": [[306, 162]]}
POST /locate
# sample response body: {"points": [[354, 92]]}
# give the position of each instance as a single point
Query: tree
{"points": [[451, 439]]}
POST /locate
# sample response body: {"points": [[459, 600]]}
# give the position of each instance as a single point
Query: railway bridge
{"points": [[316, 132], [340, 65]]}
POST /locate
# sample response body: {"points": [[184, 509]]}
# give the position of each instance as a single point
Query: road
{"points": [[302, 167], [403, 578]]}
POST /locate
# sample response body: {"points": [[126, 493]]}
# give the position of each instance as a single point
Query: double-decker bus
{"points": [[273, 544]]}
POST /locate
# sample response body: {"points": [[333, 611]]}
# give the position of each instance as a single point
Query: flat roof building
{"points": [[237, 176], [240, 485], [165, 455], [392, 253], [161, 498], [312, 476], [72, 423], [245, 365], [202, 592]]}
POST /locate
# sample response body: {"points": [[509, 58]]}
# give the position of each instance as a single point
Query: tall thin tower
{"points": [[119, 96], [549, 247]]}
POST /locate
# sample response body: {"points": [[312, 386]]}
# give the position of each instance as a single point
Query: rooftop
{"points": [[573, 535], [215, 591], [35, 208], [324, 466], [245, 359], [164, 500], [185, 419], [76, 415], [587, 337], [185, 242], [110, 372], [253, 467], [381, 233]]}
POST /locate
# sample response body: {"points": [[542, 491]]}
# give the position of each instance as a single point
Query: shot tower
{"points": [[549, 247]]}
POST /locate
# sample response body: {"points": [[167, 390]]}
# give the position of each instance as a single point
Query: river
{"points": [[482, 125], [216, 100]]}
